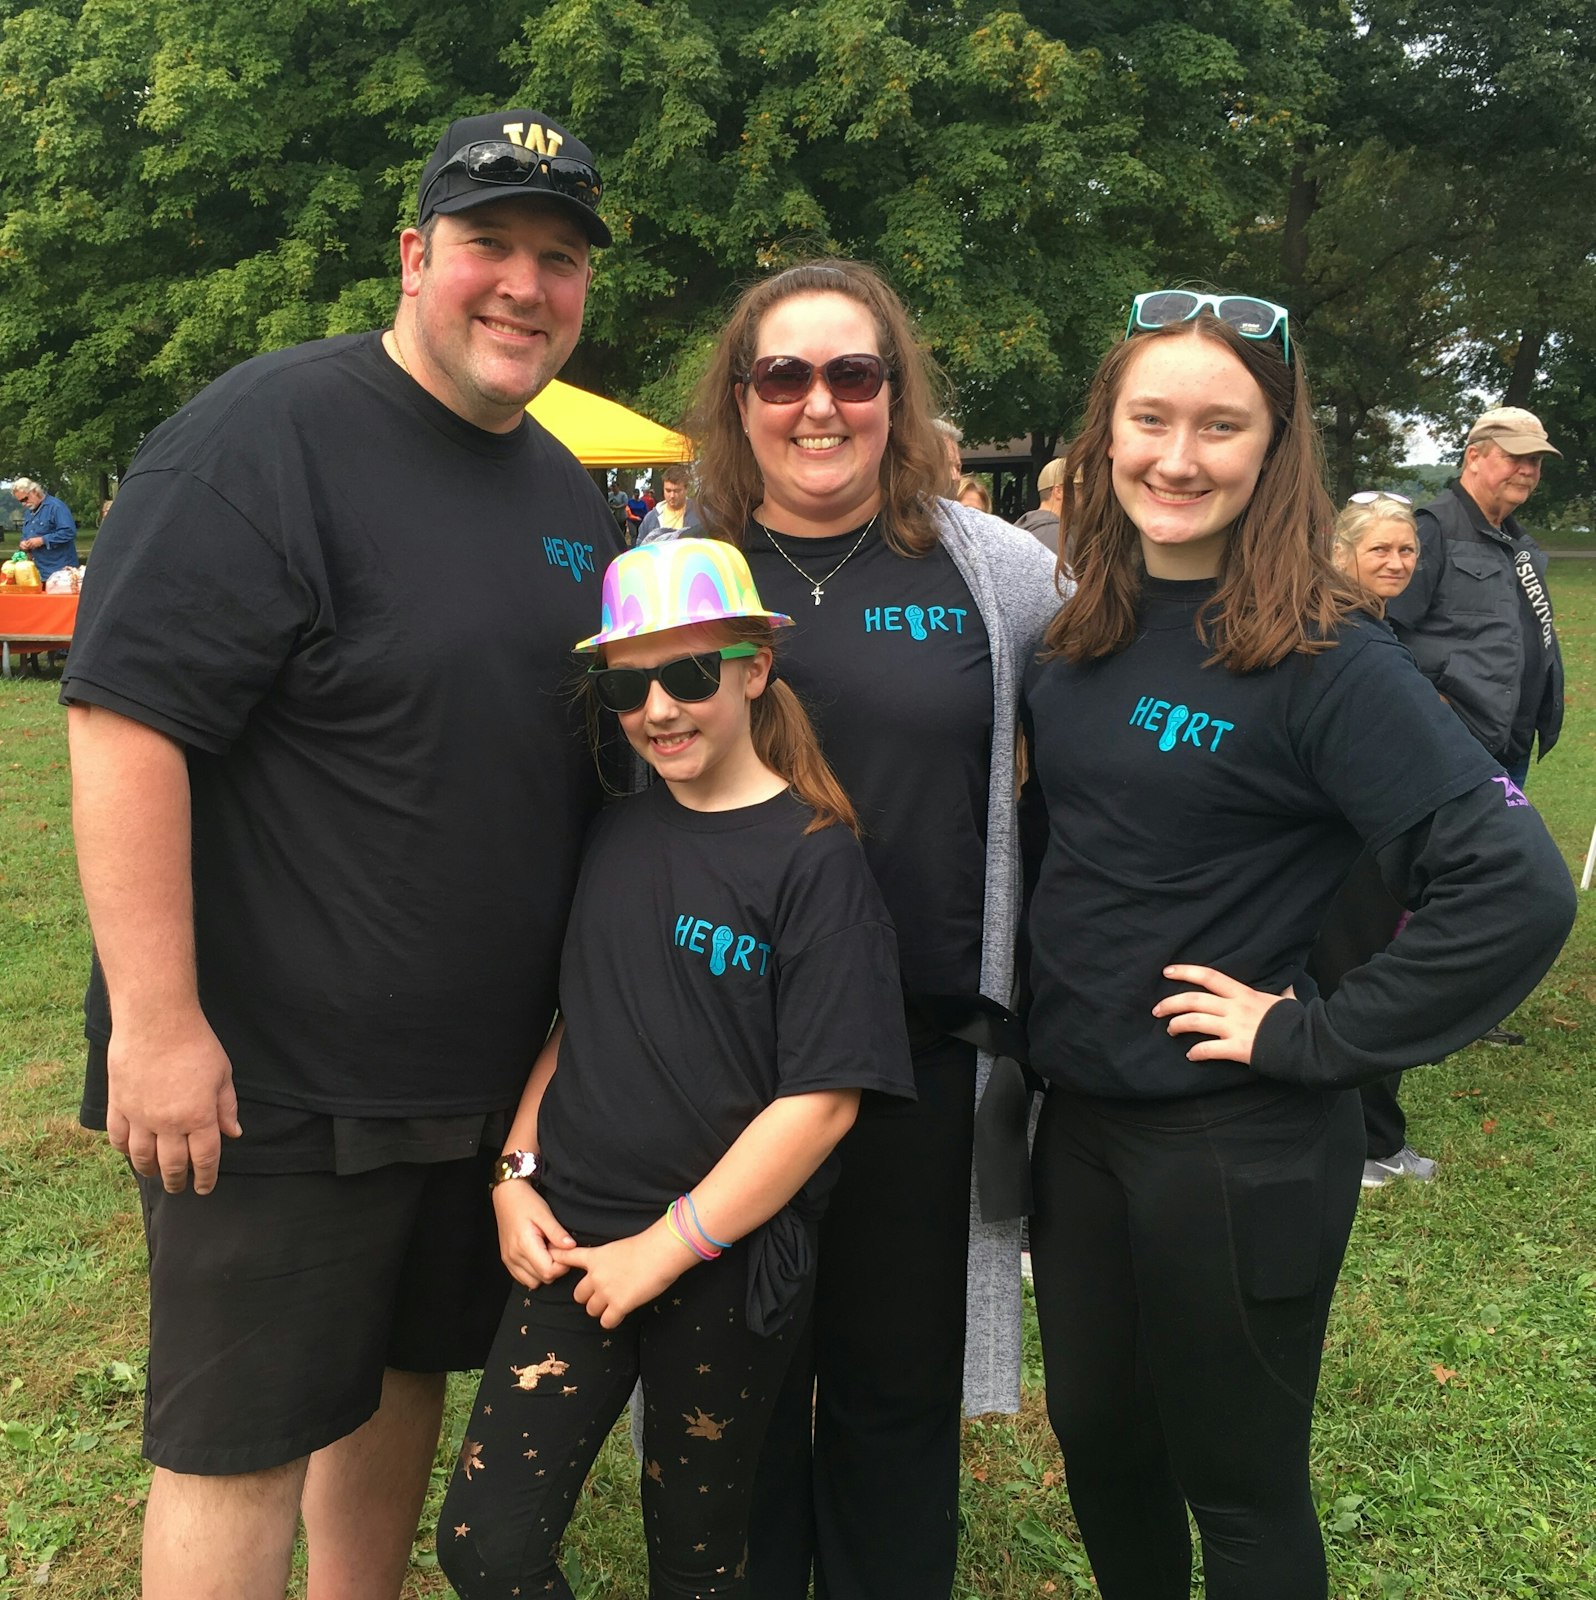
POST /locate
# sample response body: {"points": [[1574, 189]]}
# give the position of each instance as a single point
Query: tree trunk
{"points": [[1343, 456], [1301, 204], [1526, 363], [1044, 446]]}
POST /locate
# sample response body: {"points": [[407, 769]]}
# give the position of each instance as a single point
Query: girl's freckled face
{"points": [[1190, 433]]}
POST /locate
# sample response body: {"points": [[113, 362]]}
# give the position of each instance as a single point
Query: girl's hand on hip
{"points": [[528, 1234], [1222, 1007], [620, 1277]]}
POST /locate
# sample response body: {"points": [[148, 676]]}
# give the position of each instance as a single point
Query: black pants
{"points": [[555, 1382], [1185, 1253], [860, 1475], [1385, 1125]]}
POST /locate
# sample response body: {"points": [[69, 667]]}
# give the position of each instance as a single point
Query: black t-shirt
{"points": [[1200, 815], [715, 962], [356, 611], [895, 670]]}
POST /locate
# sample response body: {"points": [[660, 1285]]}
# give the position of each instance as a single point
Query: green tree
{"points": [[189, 182], [1494, 110], [1017, 174]]}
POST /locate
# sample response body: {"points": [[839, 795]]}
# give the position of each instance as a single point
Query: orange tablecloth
{"points": [[43, 619]]}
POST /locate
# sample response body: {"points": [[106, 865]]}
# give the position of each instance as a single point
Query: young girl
{"points": [[729, 985], [1215, 727]]}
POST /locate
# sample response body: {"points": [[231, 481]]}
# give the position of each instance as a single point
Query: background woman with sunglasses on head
{"points": [[914, 618], [1376, 544], [1216, 726], [727, 988]]}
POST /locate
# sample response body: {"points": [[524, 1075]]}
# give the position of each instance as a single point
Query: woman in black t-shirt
{"points": [[1215, 728], [914, 618], [728, 987]]}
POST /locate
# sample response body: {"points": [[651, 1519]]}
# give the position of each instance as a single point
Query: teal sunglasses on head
{"points": [[1250, 317]]}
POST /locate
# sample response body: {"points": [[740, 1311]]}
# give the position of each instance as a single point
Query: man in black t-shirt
{"points": [[328, 798]]}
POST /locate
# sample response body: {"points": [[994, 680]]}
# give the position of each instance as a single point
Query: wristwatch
{"points": [[526, 1164]]}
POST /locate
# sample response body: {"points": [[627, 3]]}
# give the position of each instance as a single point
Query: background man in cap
{"points": [[327, 865], [1043, 522], [1477, 615]]}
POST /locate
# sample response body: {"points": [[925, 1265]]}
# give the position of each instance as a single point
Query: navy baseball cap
{"points": [[504, 153]]}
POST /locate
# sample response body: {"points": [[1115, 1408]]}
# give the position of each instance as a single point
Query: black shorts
{"points": [[277, 1301]]}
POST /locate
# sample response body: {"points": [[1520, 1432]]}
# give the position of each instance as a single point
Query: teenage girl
{"points": [[729, 985], [1216, 726]]}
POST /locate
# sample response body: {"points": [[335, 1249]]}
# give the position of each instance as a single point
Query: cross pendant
{"points": [[817, 591]]}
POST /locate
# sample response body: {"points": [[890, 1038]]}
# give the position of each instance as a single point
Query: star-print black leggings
{"points": [[556, 1380]]}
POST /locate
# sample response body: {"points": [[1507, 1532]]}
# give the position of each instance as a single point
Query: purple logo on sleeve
{"points": [[1511, 793]]}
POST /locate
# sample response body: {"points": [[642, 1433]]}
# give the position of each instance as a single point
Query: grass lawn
{"points": [[1456, 1448]]}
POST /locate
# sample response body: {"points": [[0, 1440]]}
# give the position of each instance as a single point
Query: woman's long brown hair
{"points": [[914, 466], [1278, 590]]}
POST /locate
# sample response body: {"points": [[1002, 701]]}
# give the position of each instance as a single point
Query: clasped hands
{"points": [[617, 1278]]}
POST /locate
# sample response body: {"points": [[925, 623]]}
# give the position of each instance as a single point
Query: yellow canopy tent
{"points": [[603, 433]]}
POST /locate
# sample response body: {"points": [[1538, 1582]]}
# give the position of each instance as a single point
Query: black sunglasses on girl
{"points": [[785, 380], [687, 678], [499, 161]]}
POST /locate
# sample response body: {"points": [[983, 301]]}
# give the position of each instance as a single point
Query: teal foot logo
{"points": [[915, 617], [1177, 726], [1175, 721], [723, 949]]}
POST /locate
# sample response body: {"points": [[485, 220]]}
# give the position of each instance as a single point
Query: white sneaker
{"points": [[1406, 1163]]}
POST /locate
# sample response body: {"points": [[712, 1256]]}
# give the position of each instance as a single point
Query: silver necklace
{"points": [[817, 585]]}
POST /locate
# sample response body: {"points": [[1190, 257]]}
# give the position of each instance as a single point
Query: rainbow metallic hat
{"points": [[673, 583]]}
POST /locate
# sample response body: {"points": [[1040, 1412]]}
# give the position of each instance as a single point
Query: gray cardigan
{"points": [[1011, 579]]}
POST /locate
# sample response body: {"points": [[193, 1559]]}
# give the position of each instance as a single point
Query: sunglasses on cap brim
{"points": [[497, 161], [785, 380], [1250, 317], [685, 678]]}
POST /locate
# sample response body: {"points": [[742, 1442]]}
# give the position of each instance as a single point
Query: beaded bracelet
{"points": [[703, 1232], [673, 1222]]}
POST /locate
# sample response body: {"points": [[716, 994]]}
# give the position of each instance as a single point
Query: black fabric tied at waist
{"points": [[781, 1260], [782, 1252], [1002, 1120]]}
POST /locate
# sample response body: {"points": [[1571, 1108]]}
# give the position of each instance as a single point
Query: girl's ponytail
{"points": [[785, 740]]}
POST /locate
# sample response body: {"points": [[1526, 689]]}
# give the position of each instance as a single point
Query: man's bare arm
{"points": [[171, 1086]]}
